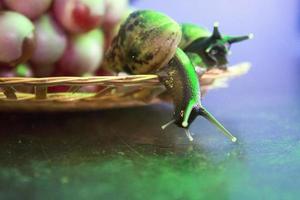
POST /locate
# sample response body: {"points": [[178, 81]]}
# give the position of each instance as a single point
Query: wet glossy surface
{"points": [[123, 154]]}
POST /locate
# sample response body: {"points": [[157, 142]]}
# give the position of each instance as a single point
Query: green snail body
{"points": [[192, 32], [181, 80], [151, 42]]}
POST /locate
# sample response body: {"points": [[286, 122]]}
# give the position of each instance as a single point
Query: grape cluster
{"points": [[57, 37]]}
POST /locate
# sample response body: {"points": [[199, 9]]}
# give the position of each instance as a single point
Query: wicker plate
{"points": [[31, 94]]}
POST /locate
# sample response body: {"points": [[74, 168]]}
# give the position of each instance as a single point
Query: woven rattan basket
{"points": [[31, 94]]}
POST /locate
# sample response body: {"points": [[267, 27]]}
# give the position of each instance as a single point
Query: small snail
{"points": [[151, 42]]}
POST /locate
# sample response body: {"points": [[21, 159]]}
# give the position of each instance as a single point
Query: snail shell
{"points": [[146, 41]]}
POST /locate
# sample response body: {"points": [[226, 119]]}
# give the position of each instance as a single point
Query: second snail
{"points": [[151, 42]]}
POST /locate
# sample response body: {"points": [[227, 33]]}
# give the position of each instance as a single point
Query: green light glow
{"points": [[22, 70]]}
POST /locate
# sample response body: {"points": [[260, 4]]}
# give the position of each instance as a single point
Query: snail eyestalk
{"points": [[163, 127], [188, 134], [251, 36], [203, 112], [216, 33], [231, 39], [187, 114], [216, 24]]}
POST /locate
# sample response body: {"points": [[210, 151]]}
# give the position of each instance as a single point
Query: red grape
{"points": [[17, 38], [6, 72], [22, 70], [102, 72], [43, 70], [30, 8], [58, 88], [79, 16], [83, 55], [111, 27], [88, 89], [51, 42], [115, 10]]}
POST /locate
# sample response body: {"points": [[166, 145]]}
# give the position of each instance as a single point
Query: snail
{"points": [[151, 42]]}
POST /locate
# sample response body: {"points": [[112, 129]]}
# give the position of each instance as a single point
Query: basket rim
{"points": [[28, 93], [121, 80], [74, 80]]}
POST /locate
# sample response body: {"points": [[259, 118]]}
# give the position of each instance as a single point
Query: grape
{"points": [[22, 70], [111, 27], [103, 72], [79, 16], [58, 88], [43, 70], [88, 89], [17, 38], [51, 42], [6, 72], [30, 8], [83, 55], [1, 6], [115, 10]]}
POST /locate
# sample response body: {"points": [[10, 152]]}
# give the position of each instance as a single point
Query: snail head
{"points": [[217, 47], [191, 113], [199, 110]]}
